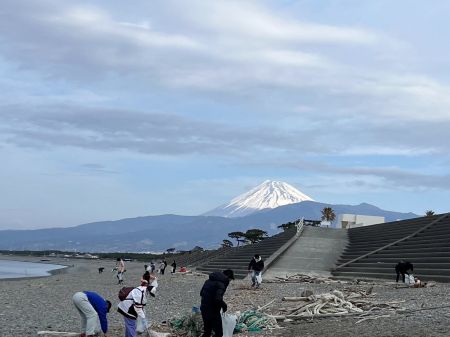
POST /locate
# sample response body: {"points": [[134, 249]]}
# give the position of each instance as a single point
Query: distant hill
{"points": [[157, 233]]}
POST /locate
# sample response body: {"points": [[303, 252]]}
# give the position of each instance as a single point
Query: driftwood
{"points": [[294, 299], [297, 278], [372, 317], [265, 306], [58, 333], [336, 304]]}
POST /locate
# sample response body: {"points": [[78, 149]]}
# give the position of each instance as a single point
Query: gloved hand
{"points": [[224, 308]]}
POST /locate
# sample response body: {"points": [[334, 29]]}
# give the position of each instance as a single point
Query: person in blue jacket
{"points": [[92, 309]]}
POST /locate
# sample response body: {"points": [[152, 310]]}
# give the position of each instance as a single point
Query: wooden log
{"points": [[294, 299], [58, 333]]}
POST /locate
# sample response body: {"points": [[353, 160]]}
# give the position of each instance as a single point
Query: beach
{"points": [[37, 304]]}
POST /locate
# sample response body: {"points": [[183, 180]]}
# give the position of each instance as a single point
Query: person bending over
{"points": [[402, 268], [92, 309], [212, 301]]}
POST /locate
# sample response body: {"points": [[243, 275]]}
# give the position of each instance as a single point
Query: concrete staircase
{"points": [[238, 258], [314, 253], [373, 251], [193, 259]]}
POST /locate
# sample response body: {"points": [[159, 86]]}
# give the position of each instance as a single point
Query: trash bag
{"points": [[141, 324], [152, 288], [409, 280], [228, 324], [259, 278]]}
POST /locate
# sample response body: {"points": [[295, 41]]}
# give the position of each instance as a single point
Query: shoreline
{"points": [[62, 269]]}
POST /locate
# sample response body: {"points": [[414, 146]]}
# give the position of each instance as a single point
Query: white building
{"points": [[347, 221]]}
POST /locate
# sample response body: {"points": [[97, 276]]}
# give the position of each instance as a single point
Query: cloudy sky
{"points": [[111, 109]]}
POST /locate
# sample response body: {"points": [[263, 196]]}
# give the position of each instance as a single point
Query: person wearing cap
{"points": [[255, 267], [133, 305], [92, 309], [212, 301]]}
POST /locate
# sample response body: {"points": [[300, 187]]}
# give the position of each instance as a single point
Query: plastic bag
{"points": [[409, 280], [141, 324], [258, 278], [228, 324], [152, 288]]}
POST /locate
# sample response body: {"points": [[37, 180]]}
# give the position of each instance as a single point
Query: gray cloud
{"points": [[247, 52], [375, 178], [108, 129], [150, 133]]}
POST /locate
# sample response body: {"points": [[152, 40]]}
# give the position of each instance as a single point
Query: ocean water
{"points": [[16, 269]]}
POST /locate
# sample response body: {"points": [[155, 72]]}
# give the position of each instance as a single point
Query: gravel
{"points": [[32, 305]]}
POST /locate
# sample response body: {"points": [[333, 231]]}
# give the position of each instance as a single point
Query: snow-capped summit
{"points": [[270, 194]]}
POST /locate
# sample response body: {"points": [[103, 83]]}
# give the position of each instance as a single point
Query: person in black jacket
{"points": [[402, 268], [256, 266], [212, 301]]}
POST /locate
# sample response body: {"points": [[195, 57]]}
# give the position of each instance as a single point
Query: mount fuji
{"points": [[268, 195]]}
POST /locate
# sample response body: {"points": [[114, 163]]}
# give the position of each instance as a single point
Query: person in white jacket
{"points": [[133, 306]]}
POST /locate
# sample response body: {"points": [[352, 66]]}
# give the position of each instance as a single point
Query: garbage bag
{"points": [[228, 324], [259, 278], [141, 324], [409, 280]]}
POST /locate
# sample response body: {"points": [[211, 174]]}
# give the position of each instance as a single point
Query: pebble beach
{"points": [[30, 305]]}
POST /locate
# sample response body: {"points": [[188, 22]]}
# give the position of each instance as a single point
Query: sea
{"points": [[17, 269]]}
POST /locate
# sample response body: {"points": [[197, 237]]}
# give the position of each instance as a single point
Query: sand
{"points": [[32, 305]]}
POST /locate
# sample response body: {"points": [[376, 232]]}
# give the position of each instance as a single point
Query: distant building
{"points": [[347, 221]]}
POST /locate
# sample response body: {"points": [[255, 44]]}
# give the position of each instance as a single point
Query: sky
{"points": [[113, 109]]}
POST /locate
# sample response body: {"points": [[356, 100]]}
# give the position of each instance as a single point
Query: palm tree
{"points": [[328, 214], [429, 213]]}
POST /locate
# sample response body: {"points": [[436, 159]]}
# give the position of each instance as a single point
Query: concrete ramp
{"points": [[314, 253]]}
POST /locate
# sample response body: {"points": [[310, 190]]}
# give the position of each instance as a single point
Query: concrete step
{"points": [[380, 229], [434, 232], [392, 253], [421, 240], [397, 225], [399, 251], [395, 259], [395, 255], [391, 277], [238, 273], [414, 240], [391, 265], [390, 270], [380, 236], [239, 259], [440, 246]]}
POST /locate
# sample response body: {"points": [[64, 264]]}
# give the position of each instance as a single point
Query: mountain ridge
{"points": [[160, 232]]}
